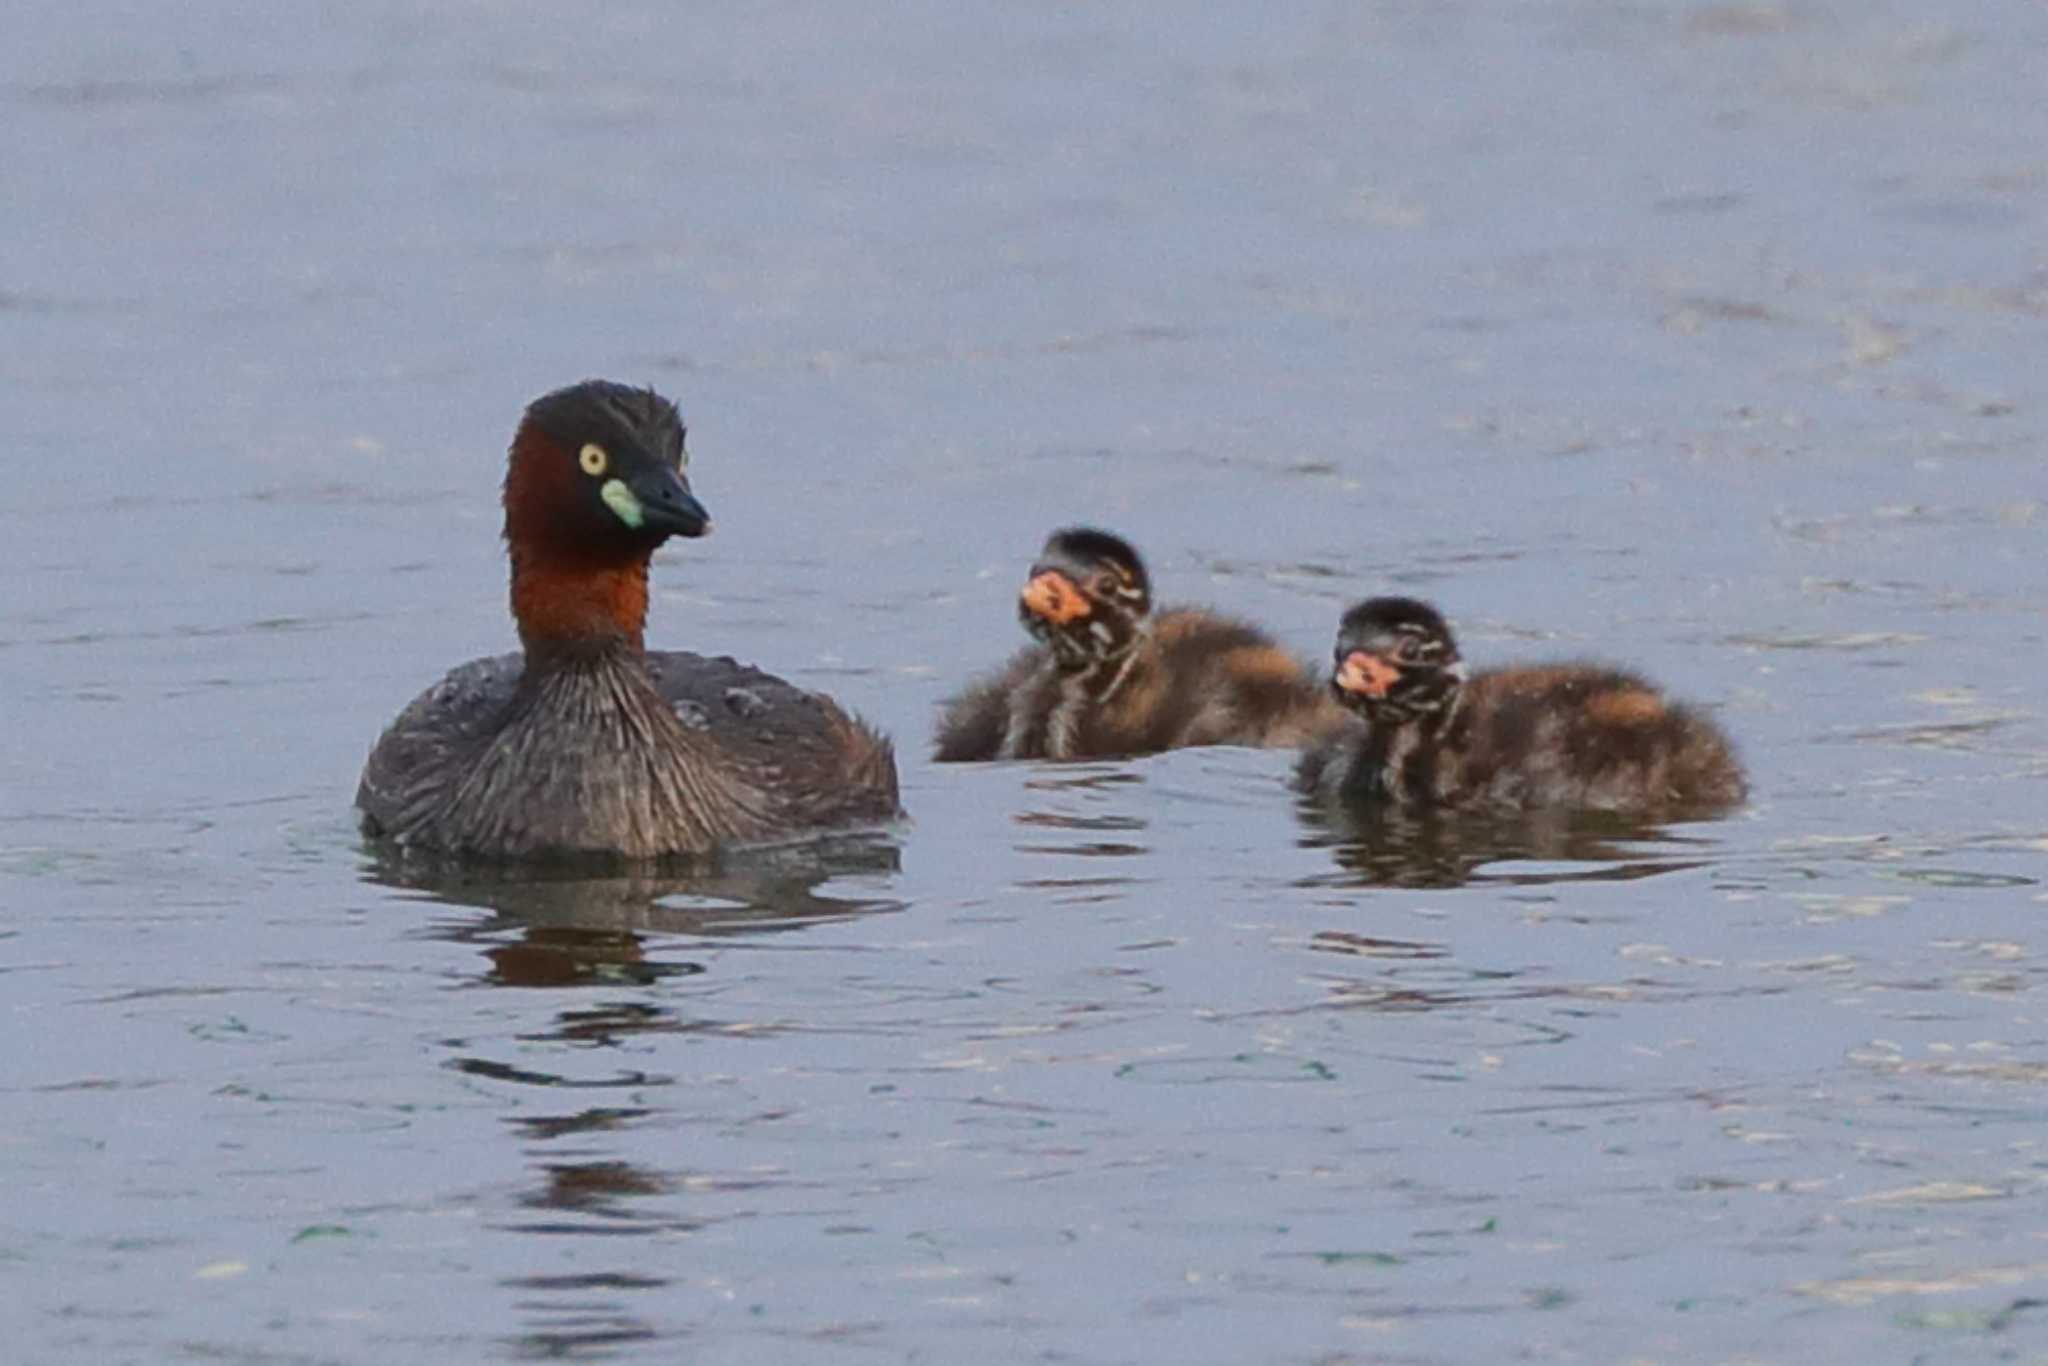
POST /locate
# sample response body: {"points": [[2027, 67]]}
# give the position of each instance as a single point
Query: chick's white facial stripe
{"points": [[623, 502]]}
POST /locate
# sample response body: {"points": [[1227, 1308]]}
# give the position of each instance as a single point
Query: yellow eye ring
{"points": [[593, 459]]}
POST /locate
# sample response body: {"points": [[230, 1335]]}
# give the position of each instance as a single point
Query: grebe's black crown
{"points": [[612, 414], [1377, 618], [1083, 548]]}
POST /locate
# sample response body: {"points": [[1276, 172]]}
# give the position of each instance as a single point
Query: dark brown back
{"points": [[629, 756]]}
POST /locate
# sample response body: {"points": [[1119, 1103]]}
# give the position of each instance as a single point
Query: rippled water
{"points": [[1705, 337]]}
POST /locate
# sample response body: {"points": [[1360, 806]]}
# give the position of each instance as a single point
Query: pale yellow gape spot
{"points": [[623, 502], [593, 459]]}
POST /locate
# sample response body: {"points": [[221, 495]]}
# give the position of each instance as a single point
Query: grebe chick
{"points": [[1107, 676], [1565, 735], [586, 747]]}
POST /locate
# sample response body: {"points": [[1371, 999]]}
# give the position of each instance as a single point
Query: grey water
{"points": [[1703, 337]]}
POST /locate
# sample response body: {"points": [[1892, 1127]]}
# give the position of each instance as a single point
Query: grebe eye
{"points": [[593, 459]]}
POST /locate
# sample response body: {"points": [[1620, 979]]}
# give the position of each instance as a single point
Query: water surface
{"points": [[1704, 337]]}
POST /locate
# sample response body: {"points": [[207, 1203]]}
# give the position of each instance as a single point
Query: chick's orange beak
{"points": [[1051, 596], [1367, 675]]}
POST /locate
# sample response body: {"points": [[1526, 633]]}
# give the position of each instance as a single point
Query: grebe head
{"points": [[596, 479], [1396, 661], [1088, 597]]}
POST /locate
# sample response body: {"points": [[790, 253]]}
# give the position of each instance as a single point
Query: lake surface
{"points": [[1703, 337]]}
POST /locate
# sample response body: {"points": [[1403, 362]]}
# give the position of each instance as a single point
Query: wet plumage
{"points": [[1107, 676], [1570, 735]]}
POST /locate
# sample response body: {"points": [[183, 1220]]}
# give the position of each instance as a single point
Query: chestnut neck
{"points": [[571, 610], [576, 592]]}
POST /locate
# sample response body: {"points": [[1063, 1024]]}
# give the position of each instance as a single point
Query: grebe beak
{"points": [[1366, 675], [666, 504], [1051, 597]]}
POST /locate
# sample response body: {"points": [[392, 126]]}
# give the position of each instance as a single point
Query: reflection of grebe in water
{"points": [[569, 931], [1391, 846], [571, 1083]]}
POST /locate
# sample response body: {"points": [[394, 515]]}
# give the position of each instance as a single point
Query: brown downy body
{"points": [[1108, 677], [1572, 735], [587, 748]]}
